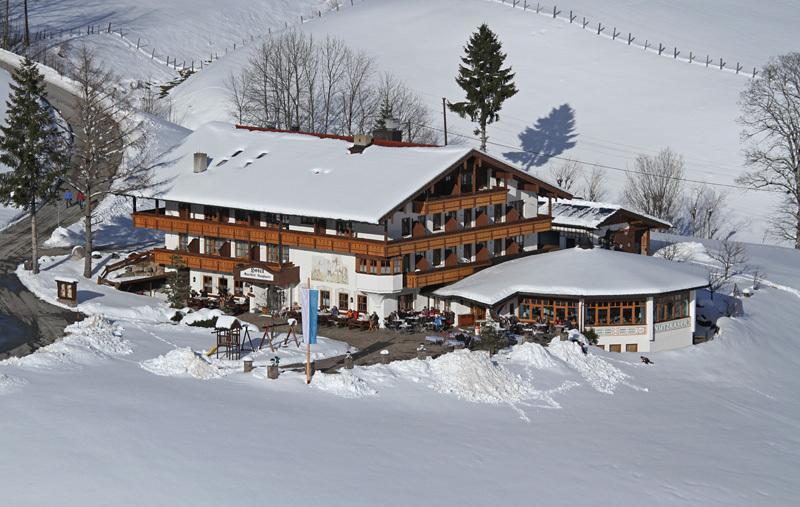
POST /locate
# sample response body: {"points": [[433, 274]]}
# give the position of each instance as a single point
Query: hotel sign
{"points": [[257, 274], [672, 325], [620, 330]]}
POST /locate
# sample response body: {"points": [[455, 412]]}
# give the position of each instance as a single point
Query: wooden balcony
{"points": [[469, 236], [284, 274], [441, 276], [339, 244], [457, 202], [257, 234]]}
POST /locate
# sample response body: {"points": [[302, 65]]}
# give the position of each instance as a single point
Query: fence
{"points": [[186, 67], [629, 39]]}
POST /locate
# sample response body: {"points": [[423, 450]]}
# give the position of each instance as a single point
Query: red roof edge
{"points": [[379, 142]]}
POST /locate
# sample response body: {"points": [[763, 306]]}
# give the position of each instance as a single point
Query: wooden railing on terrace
{"points": [[440, 276], [457, 202]]}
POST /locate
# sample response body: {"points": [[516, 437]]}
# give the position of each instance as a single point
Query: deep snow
{"points": [[714, 424]]}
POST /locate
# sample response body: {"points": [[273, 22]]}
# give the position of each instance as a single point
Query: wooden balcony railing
{"points": [[473, 235], [440, 276], [339, 244], [457, 202], [284, 274]]}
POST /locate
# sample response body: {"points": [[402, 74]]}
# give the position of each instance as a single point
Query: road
{"points": [[26, 322]]}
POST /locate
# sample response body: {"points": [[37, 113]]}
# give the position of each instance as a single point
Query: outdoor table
{"points": [[434, 339]]}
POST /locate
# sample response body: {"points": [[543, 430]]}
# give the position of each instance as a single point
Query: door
{"points": [[207, 285], [222, 286]]}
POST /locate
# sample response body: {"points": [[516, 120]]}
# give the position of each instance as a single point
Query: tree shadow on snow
{"points": [[548, 137]]}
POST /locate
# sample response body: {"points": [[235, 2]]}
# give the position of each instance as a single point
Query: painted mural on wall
{"points": [[324, 269]]}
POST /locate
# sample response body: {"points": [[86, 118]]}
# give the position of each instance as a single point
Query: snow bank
{"points": [[345, 384], [531, 354], [200, 315], [598, 372], [181, 362], [86, 342]]}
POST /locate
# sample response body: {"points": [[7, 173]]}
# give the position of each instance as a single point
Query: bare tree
{"points": [[332, 56], [566, 174], [656, 185], [674, 252], [704, 214], [237, 97], [771, 120], [110, 149], [357, 108], [594, 185], [731, 259]]}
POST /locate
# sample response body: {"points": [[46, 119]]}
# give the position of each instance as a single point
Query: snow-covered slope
{"points": [[623, 101], [128, 404]]}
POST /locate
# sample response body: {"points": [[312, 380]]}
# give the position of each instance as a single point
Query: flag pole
{"points": [[308, 341]]}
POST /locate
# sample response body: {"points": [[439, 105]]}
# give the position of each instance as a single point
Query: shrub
{"points": [[205, 323], [591, 335]]}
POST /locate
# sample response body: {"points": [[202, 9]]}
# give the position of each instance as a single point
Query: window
{"points": [[397, 264], [207, 284], [498, 212], [466, 182], [632, 347], [437, 256], [222, 285], [344, 227], [672, 307], [548, 310], [362, 304], [211, 213], [242, 216], [344, 301], [468, 217], [406, 263], [614, 313], [242, 249], [238, 289], [437, 221], [405, 225], [407, 302], [468, 253], [308, 220], [616, 347], [386, 267], [213, 246], [498, 247], [324, 299], [183, 242]]}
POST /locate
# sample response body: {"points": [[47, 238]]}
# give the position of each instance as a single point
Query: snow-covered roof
{"points": [[297, 174], [591, 215], [578, 273], [226, 322]]}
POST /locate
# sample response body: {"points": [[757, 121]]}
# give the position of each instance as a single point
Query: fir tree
{"points": [[485, 81], [178, 286], [31, 147]]}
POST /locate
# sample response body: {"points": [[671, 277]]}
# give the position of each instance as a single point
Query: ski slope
{"points": [[124, 403], [623, 101]]}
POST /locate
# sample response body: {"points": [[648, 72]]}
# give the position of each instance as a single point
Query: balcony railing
{"points": [[457, 202], [285, 274], [440, 276], [339, 244]]}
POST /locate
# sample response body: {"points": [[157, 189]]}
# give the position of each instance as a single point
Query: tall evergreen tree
{"points": [[31, 146], [485, 81]]}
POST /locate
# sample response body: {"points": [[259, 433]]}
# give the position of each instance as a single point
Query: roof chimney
{"points": [[200, 162], [360, 143]]}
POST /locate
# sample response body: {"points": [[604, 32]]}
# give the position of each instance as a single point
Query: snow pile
{"points": [[598, 372], [531, 354], [86, 342], [473, 376], [200, 315], [345, 384], [181, 362], [9, 383]]}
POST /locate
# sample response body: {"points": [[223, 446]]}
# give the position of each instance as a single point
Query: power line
{"points": [[603, 166]]}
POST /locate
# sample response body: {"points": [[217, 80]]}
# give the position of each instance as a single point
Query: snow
{"points": [[182, 362], [588, 214], [707, 425], [624, 101], [577, 272], [299, 175]]}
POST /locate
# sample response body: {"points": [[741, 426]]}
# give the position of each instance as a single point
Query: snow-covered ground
{"points": [[623, 101], [128, 402]]}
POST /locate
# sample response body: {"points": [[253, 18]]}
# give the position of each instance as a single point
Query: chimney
{"points": [[360, 143], [200, 162]]}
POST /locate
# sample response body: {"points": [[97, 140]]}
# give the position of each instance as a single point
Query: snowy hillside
{"points": [[623, 101], [710, 425], [7, 214]]}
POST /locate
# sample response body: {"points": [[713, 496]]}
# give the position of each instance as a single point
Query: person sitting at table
{"points": [[373, 321], [349, 314], [334, 312]]}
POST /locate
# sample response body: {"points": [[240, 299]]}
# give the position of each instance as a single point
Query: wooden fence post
{"points": [[708, 60], [571, 17], [600, 28], [661, 49], [584, 23], [721, 64], [738, 67], [109, 28], [555, 12], [630, 38], [614, 33], [675, 53], [691, 57], [646, 44]]}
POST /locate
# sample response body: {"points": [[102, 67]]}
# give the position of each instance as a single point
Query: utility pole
{"points": [[444, 117]]}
